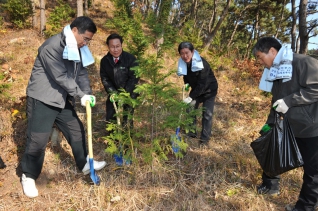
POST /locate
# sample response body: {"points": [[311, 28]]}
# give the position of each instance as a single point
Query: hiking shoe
{"points": [[29, 188], [263, 189], [98, 165]]}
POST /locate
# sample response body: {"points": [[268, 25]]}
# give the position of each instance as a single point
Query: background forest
{"points": [[221, 176]]}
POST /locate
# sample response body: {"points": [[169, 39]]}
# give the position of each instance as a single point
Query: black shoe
{"points": [[204, 142], [263, 189], [192, 135]]}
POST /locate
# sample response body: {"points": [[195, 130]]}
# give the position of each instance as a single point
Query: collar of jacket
{"points": [[63, 41], [109, 56]]}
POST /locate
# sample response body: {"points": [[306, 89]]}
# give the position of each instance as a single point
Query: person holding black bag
{"points": [[293, 81]]}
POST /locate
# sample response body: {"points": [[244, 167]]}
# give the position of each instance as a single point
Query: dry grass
{"points": [[222, 176]]}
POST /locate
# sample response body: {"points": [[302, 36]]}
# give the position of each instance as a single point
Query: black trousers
{"points": [[41, 118], [110, 113], [308, 196], [207, 114]]}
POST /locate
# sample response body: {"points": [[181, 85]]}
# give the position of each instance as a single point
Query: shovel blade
{"points": [[175, 138], [95, 178], [174, 142]]}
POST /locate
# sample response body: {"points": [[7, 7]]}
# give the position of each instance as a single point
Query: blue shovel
{"points": [[176, 137], [93, 174]]}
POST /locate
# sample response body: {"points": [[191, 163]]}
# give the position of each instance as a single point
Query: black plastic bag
{"points": [[276, 150]]}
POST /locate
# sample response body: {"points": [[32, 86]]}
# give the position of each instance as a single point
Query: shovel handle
{"points": [[89, 129], [116, 110]]}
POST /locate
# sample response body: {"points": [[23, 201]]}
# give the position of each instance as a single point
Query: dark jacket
{"points": [[203, 83], [301, 96], [54, 78], [119, 75]]}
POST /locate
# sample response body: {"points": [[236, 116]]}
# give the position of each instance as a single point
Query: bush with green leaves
{"points": [[159, 110], [60, 15], [19, 11]]}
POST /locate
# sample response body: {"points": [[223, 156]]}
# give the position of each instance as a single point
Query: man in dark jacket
{"points": [[296, 96], [116, 73], [198, 74], [58, 75]]}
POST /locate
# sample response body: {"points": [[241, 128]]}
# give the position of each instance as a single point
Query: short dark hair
{"points": [[114, 36], [183, 45], [83, 23], [265, 43]]}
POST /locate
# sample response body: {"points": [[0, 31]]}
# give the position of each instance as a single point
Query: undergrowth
{"points": [[222, 176]]}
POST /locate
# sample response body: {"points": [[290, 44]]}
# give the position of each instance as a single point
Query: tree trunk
{"points": [[86, 7], [34, 20], [194, 11], [257, 23], [211, 35], [236, 25], [281, 19], [213, 17], [42, 16], [303, 34], [297, 44], [293, 29], [79, 8], [157, 7]]}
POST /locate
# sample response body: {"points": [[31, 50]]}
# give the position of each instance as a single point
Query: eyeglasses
{"points": [[86, 40], [115, 47]]}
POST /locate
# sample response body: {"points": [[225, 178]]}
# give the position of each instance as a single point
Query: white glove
{"points": [[280, 106], [90, 98], [187, 100]]}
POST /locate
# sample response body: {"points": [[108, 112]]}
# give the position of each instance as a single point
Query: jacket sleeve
{"points": [[54, 66], [132, 79], [83, 81], [306, 70], [271, 115], [202, 81], [106, 80], [185, 80]]}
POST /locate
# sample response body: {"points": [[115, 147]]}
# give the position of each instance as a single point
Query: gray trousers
{"points": [[41, 118]]}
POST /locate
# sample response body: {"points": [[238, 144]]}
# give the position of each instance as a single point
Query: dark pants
{"points": [[308, 197], [207, 114], [110, 113], [271, 182], [41, 118]]}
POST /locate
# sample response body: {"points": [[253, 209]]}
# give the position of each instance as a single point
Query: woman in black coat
{"points": [[197, 72]]}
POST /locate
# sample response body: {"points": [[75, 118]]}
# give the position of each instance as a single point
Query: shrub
{"points": [[19, 11], [60, 14]]}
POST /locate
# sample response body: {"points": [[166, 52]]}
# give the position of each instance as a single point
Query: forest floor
{"points": [[222, 176]]}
